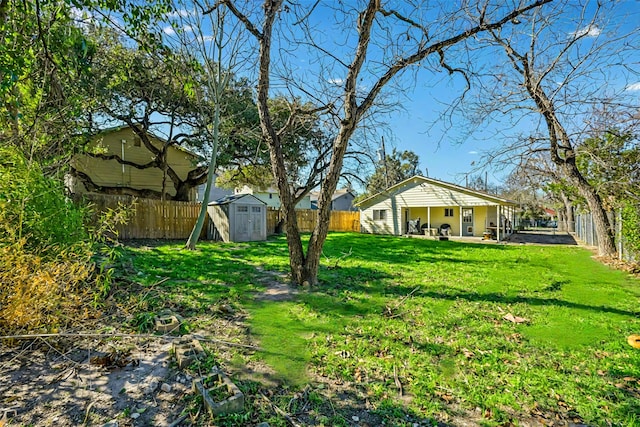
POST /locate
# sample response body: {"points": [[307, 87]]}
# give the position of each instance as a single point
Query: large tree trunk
{"points": [[570, 222], [329, 185], [304, 270], [563, 154], [604, 231]]}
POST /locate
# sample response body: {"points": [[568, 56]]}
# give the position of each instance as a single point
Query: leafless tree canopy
{"points": [[346, 58]]}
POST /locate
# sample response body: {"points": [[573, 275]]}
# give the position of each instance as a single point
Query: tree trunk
{"points": [[329, 185], [569, 218], [604, 231]]}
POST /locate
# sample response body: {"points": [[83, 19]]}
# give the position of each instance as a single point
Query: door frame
{"points": [[467, 226]]}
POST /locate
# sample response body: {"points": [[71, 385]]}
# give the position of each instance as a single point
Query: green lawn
{"points": [[433, 313]]}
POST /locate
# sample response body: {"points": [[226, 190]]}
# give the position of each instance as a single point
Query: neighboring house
{"points": [[272, 198], [117, 162], [436, 207], [342, 200], [215, 193], [238, 218]]}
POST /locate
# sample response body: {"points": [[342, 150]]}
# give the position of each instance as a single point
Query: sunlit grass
{"points": [[432, 314]]}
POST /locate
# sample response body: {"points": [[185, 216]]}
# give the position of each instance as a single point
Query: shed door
{"points": [[467, 221], [242, 223], [255, 222]]}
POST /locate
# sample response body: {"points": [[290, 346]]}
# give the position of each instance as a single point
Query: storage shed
{"points": [[237, 218]]}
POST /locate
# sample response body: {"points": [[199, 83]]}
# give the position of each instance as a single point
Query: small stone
{"points": [[165, 387], [135, 415], [153, 385], [263, 425], [112, 423], [355, 418]]}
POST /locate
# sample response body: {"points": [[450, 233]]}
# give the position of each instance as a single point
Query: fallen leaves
{"points": [[514, 319], [114, 359]]}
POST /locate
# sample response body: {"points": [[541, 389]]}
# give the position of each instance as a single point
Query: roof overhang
{"points": [[394, 189]]}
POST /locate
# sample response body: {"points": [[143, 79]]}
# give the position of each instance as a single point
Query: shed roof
{"points": [[337, 194], [233, 198], [449, 186]]}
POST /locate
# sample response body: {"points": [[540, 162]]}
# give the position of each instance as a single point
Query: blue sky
{"points": [[449, 149]]}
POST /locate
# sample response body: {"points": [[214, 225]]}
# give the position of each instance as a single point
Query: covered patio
{"points": [[425, 206]]}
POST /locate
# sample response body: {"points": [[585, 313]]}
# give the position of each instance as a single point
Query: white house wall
{"points": [[421, 194]]}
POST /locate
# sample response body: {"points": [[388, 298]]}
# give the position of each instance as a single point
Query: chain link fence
{"points": [[586, 233]]}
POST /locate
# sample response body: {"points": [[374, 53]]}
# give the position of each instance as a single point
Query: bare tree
{"points": [[379, 45], [203, 36], [556, 77]]}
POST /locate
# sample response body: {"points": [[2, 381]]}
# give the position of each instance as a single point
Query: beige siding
{"points": [[388, 226], [420, 198], [426, 194], [112, 174]]}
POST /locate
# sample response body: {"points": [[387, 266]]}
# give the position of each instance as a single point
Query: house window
{"points": [[467, 215], [379, 214], [136, 141], [448, 211], [255, 209], [242, 209]]}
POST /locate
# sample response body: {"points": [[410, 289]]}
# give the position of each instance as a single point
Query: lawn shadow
{"points": [[497, 297]]}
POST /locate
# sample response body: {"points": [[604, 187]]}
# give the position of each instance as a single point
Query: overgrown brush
{"points": [[41, 292], [53, 268]]}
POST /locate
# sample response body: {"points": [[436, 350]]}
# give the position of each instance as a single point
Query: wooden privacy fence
{"points": [[150, 218], [156, 219], [307, 218]]}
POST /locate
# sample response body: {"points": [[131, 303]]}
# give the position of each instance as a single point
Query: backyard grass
{"points": [[419, 328]]}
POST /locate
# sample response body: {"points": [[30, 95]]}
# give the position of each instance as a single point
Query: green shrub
{"points": [[34, 207], [48, 273], [631, 227]]}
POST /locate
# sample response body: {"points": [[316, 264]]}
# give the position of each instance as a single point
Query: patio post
{"points": [[498, 223]]}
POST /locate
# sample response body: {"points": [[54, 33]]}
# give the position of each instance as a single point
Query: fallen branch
{"points": [[390, 311], [397, 381], [139, 336], [179, 420], [406, 297], [279, 411]]}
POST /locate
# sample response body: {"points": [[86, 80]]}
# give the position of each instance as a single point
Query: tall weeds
{"points": [[48, 274]]}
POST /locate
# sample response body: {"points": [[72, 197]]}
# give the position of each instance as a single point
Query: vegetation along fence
{"points": [[157, 219], [586, 232]]}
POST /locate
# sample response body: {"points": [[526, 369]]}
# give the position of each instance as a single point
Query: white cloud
{"points": [[187, 29], [336, 81], [633, 87], [472, 152], [82, 17], [169, 31], [181, 12], [589, 31]]}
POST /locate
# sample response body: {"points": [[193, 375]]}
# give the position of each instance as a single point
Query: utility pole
{"points": [[384, 160]]}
